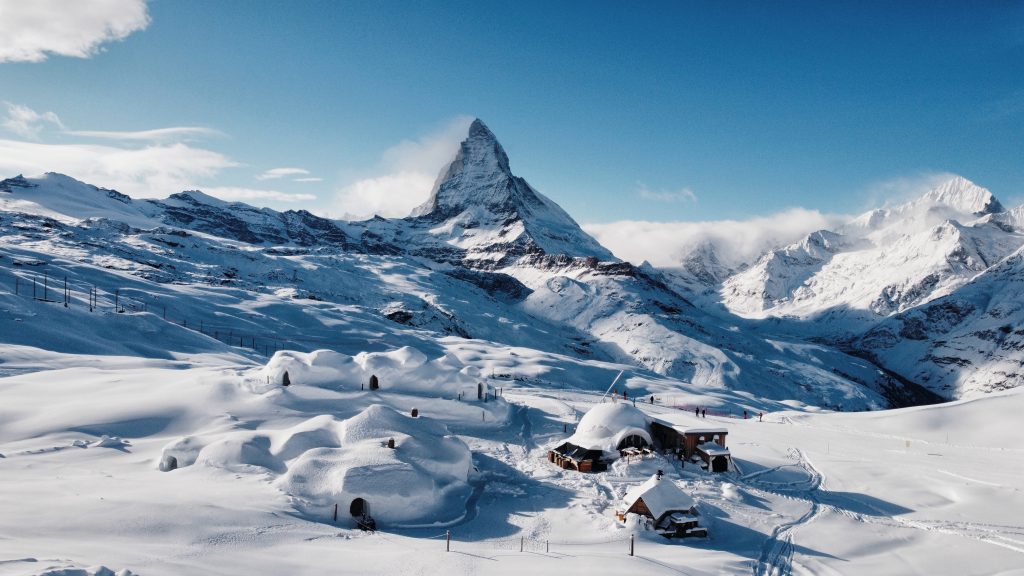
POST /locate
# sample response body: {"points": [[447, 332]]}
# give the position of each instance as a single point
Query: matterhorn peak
{"points": [[477, 192], [478, 175]]}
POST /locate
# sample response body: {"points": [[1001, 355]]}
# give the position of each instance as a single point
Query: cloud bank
{"points": [[404, 176], [32, 30], [735, 241]]}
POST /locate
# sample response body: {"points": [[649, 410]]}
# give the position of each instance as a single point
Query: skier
{"points": [[744, 414], [704, 413], [696, 412], [760, 416]]}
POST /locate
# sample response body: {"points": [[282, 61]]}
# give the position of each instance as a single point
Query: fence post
{"points": [[335, 511], [631, 538], [448, 541], [547, 546], [522, 540]]}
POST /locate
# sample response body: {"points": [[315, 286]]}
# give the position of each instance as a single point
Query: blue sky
{"points": [[659, 111]]}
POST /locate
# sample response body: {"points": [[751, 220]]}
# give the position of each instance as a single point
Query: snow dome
{"points": [[610, 427], [398, 468], [425, 476], [405, 369]]}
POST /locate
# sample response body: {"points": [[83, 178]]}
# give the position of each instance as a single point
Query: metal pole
{"points": [[522, 540], [631, 537], [335, 511], [448, 541]]}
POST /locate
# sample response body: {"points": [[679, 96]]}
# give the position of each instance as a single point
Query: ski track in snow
{"points": [[776, 557]]}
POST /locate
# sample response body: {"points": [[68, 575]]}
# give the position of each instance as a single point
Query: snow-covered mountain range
{"points": [[897, 284], [487, 257]]}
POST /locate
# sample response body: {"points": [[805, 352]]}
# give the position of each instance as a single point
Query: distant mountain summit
{"points": [[478, 205]]}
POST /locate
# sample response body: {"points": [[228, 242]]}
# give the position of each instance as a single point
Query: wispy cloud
{"points": [[150, 171], [404, 176], [735, 241], [174, 133], [26, 122], [309, 179], [680, 195], [32, 30], [237, 194], [277, 173]]}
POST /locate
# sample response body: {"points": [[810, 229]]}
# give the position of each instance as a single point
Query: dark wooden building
{"points": [[706, 443]]}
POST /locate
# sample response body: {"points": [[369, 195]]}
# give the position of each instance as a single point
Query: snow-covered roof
{"points": [[712, 449], [605, 425], [705, 430], [660, 496], [684, 429]]}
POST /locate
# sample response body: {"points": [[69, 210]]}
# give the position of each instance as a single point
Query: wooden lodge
{"points": [[669, 511], [706, 444], [606, 432], [572, 457]]}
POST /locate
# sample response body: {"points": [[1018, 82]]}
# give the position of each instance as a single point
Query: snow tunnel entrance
{"points": [[359, 508], [719, 464], [632, 441]]}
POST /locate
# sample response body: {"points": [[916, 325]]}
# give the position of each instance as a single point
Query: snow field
{"points": [[817, 493]]}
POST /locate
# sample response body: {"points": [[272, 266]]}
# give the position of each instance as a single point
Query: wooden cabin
{"points": [[572, 457], [705, 443], [671, 512]]}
